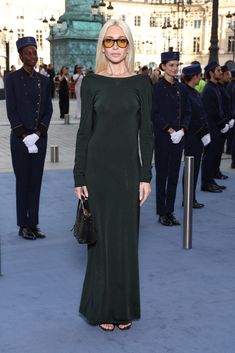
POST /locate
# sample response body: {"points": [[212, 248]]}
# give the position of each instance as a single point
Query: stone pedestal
{"points": [[75, 43]]}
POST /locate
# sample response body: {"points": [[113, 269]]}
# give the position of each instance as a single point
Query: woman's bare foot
{"points": [[107, 327], [124, 327]]}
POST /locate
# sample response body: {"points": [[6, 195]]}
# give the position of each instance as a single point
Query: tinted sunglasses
{"points": [[121, 42]]}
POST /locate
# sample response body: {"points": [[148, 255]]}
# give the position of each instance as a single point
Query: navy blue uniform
{"points": [[29, 109], [170, 109], [231, 92], [198, 127], [227, 116], [212, 101]]}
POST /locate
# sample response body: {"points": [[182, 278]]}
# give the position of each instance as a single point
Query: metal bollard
{"points": [[0, 256], [188, 201], [66, 119], [54, 153]]}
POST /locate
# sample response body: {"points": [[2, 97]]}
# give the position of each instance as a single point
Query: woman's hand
{"points": [[144, 191], [81, 191]]}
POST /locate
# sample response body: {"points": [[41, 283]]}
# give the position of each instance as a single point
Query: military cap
{"points": [[192, 70], [25, 42], [212, 65], [233, 73], [224, 68], [170, 55]]}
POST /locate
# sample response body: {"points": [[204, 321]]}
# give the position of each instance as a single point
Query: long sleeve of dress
{"points": [[146, 133], [83, 135]]}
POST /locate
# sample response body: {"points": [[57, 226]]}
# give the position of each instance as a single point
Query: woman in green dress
{"points": [[113, 169]]}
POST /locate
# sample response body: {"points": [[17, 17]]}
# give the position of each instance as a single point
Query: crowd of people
{"points": [[124, 117], [65, 86], [208, 130]]}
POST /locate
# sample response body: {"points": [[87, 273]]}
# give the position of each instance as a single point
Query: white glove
{"points": [[176, 136], [206, 139], [32, 149], [231, 123], [225, 129], [30, 140]]}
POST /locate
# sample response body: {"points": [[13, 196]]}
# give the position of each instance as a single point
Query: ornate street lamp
{"points": [[52, 23], [231, 25], [101, 11], [214, 48], [168, 32], [5, 37]]}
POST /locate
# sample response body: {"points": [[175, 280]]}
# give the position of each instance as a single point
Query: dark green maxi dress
{"points": [[115, 126]]}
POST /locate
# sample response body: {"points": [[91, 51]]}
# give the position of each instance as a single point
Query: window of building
{"points": [[137, 21], [39, 38], [20, 33], [152, 21], [196, 44], [231, 44], [197, 24], [123, 18], [137, 44], [180, 23]]}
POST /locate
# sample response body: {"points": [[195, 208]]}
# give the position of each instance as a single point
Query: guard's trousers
{"points": [[193, 147], [211, 158], [167, 164], [28, 169]]}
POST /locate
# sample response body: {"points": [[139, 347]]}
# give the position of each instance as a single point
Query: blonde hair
{"points": [[101, 61]]}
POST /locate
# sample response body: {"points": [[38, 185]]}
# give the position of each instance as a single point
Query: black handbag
{"points": [[84, 228]]}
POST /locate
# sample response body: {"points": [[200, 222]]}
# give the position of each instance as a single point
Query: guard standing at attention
{"points": [[231, 91], [212, 101], [198, 132], [171, 116], [225, 78], [29, 110]]}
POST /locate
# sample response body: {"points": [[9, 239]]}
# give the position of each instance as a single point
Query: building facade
{"points": [[157, 25]]}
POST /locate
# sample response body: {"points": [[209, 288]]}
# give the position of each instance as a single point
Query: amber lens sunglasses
{"points": [[121, 42]]}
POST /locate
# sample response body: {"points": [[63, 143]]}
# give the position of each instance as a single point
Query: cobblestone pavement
{"points": [[59, 134]]}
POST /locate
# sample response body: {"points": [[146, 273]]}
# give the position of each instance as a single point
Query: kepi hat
{"points": [[25, 42], [212, 65], [224, 68], [192, 70], [170, 55]]}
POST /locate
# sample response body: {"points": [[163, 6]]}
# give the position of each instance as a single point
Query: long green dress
{"points": [[115, 126]]}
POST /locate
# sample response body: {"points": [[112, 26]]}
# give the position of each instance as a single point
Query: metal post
{"points": [[0, 256], [54, 153], [7, 45], [188, 201], [66, 119]]}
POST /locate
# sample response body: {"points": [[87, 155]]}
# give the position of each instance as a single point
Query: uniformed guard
{"points": [[212, 101], [225, 78], [171, 115], [231, 91], [198, 132], [29, 111]]}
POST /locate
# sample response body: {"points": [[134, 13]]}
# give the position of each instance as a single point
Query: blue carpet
{"points": [[187, 296]]}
